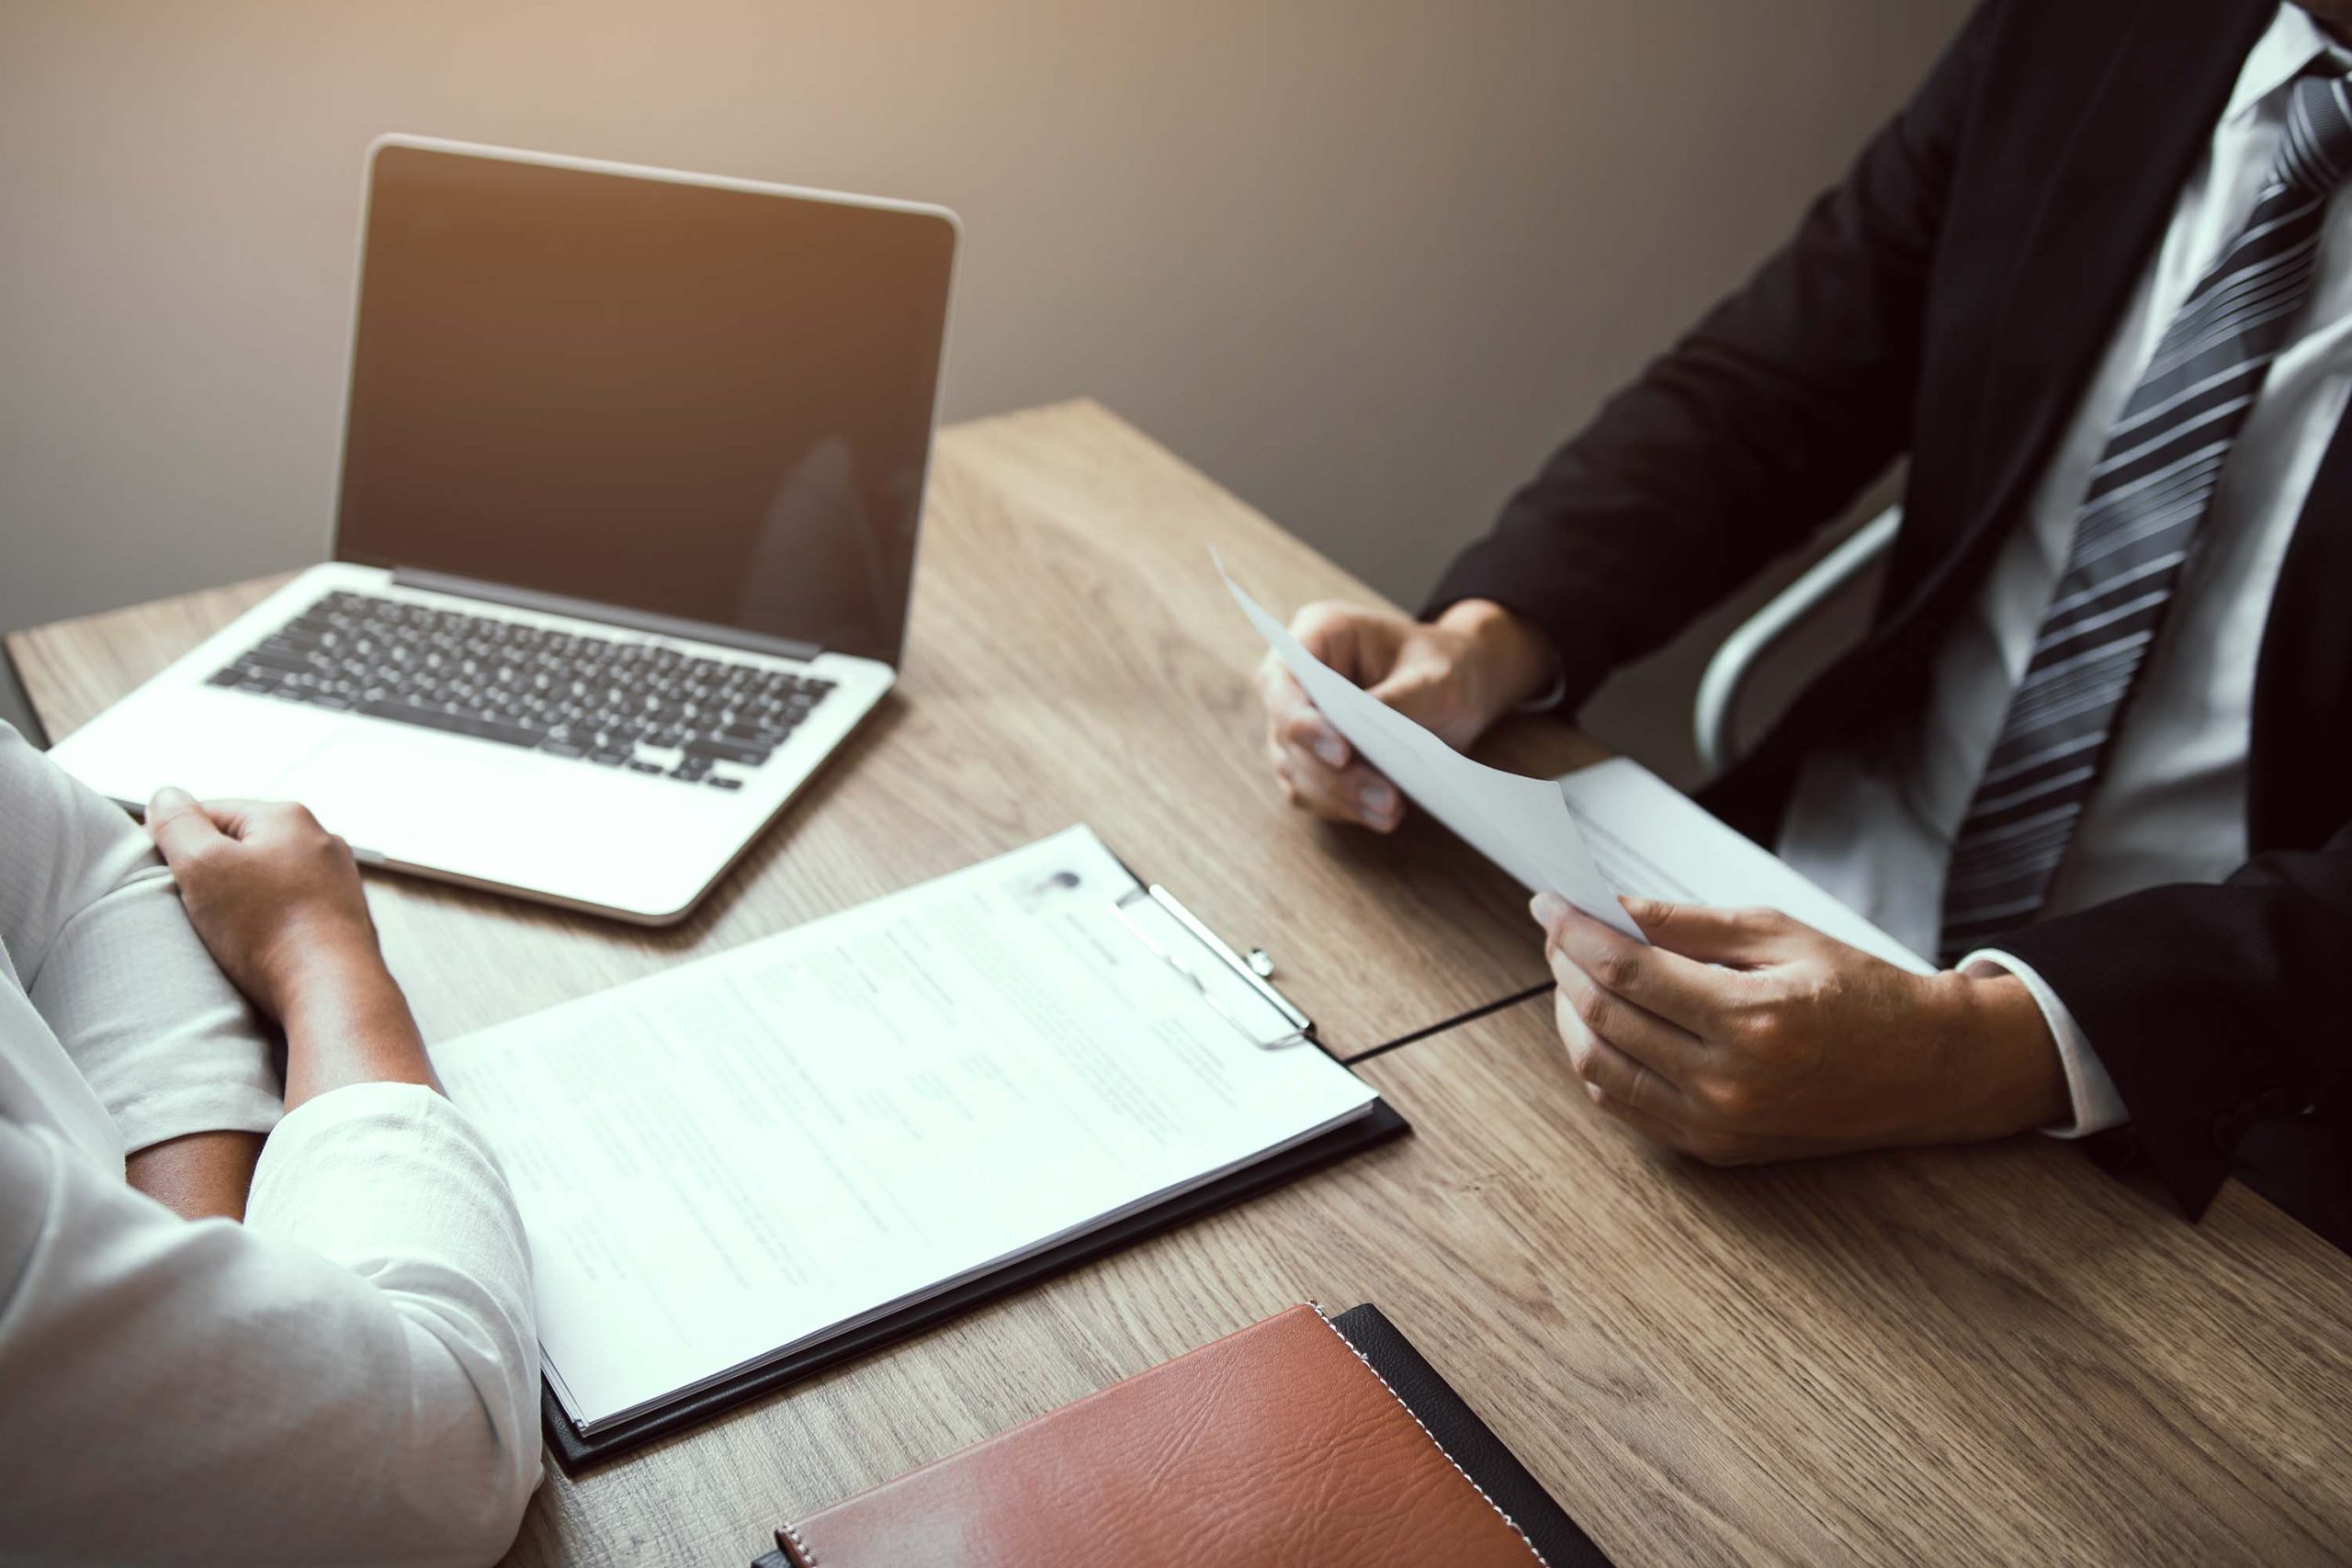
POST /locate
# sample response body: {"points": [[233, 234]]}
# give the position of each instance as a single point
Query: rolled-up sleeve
{"points": [[351, 1376], [94, 926]]}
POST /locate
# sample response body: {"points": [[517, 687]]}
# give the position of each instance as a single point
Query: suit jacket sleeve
{"points": [[1757, 428], [2211, 1008]]}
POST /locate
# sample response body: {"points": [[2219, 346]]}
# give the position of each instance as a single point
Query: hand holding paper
{"points": [[1521, 824]]}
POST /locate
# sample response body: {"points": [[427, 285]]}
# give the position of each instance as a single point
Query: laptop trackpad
{"points": [[429, 799]]}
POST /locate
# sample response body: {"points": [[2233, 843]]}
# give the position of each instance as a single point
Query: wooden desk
{"points": [[1992, 1354], [1072, 657], [1986, 1354]]}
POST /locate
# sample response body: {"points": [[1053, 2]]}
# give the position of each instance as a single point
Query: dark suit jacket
{"points": [[1950, 301]]}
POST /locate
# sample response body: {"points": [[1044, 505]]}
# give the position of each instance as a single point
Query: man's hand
{"points": [[1741, 1035], [1454, 676], [274, 896]]}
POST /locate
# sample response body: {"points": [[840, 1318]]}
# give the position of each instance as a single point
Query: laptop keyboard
{"points": [[621, 705]]}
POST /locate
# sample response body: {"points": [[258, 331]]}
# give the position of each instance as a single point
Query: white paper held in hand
{"points": [[1523, 825]]}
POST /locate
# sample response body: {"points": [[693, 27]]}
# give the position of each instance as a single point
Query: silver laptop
{"points": [[632, 467]]}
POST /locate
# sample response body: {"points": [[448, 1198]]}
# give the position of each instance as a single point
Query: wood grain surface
{"points": [[1983, 1355], [1072, 657], [1989, 1354]]}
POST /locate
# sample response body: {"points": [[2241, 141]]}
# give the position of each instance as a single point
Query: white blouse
{"points": [[349, 1376]]}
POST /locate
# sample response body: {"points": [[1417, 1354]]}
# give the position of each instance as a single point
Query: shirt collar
{"points": [[2293, 41]]}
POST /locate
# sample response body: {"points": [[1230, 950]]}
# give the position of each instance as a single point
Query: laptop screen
{"points": [[684, 400]]}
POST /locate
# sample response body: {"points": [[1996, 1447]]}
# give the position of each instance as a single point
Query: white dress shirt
{"points": [[349, 1376], [1873, 823]]}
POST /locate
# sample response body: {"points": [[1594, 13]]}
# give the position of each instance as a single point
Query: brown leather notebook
{"points": [[1282, 1444]]}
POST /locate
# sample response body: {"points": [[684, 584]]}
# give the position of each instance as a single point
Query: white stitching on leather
{"points": [[1449, 1459], [808, 1558]]}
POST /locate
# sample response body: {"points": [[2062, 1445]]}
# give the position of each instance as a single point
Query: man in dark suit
{"points": [[2096, 283]]}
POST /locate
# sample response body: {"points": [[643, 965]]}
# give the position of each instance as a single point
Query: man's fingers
{"points": [[1739, 938], [1665, 1048], [1326, 767], [1677, 987], [1353, 794], [1293, 720], [1709, 1149], [1611, 1076], [1641, 1100], [179, 824], [1307, 731], [1332, 632], [1412, 691], [1317, 770]]}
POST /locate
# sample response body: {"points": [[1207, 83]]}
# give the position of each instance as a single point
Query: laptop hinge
{"points": [[610, 614]]}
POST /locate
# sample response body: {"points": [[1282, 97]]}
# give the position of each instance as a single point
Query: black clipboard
{"points": [[575, 1451]]}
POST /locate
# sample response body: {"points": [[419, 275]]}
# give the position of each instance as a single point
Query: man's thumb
{"points": [[1428, 699], [1410, 691]]}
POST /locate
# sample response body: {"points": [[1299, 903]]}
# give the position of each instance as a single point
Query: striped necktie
{"points": [[2138, 519]]}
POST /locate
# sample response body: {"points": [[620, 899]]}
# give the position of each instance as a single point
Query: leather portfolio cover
{"points": [[1557, 1539], [1284, 1444]]}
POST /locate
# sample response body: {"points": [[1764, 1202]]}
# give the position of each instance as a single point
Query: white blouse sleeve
{"points": [[93, 924], [351, 1376]]}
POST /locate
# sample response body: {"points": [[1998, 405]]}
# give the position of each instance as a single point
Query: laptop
{"points": [[632, 466]]}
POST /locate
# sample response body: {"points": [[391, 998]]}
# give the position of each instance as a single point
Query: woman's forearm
{"points": [[347, 1023], [199, 1177]]}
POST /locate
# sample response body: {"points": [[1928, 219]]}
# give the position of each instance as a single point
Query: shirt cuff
{"points": [[373, 1173], [2097, 1106], [1553, 694], [182, 1109]]}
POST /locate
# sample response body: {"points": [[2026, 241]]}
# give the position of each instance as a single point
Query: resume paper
{"points": [[1610, 829], [727, 1162]]}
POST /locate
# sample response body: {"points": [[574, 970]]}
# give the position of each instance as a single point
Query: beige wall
{"points": [[1363, 261]]}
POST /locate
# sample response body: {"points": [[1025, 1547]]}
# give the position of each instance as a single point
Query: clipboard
{"points": [[576, 1452]]}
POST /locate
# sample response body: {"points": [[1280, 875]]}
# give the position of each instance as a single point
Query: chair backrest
{"points": [[1728, 671]]}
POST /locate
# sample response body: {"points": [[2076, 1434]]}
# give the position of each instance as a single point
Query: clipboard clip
{"points": [[1252, 971]]}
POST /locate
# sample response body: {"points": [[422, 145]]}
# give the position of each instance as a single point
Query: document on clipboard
{"points": [[725, 1167]]}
